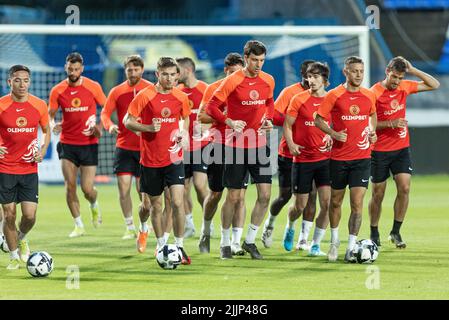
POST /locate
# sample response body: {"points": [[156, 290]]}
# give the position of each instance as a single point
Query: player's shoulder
{"points": [[337, 91], [60, 87], [91, 84], [215, 85], [38, 103], [148, 92], [368, 93], [5, 102], [119, 89], [268, 78], [407, 85], [378, 89], [301, 97], [179, 94], [202, 86]]}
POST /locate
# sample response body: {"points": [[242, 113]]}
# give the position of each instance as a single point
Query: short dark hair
{"points": [[135, 59], [74, 57], [167, 62], [18, 67], [233, 59], [319, 68], [186, 62], [255, 47], [352, 59], [304, 65], [397, 64]]}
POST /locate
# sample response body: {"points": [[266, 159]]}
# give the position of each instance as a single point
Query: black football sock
{"points": [[396, 227]]}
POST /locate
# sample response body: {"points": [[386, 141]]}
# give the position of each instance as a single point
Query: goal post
{"points": [[43, 48]]}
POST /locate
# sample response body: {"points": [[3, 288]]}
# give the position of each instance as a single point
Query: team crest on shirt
{"points": [[76, 103], [394, 104], [165, 112], [354, 110], [254, 94], [21, 122]]}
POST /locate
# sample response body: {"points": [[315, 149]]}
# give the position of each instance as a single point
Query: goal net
{"points": [[43, 49]]}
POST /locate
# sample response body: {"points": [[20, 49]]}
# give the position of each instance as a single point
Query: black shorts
{"points": [[154, 180], [15, 188], [354, 173], [215, 169], [303, 175], [196, 161], [127, 162], [86, 155], [382, 163], [239, 162], [285, 172]]}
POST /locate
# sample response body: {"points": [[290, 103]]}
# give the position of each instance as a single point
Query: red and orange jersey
{"points": [[217, 130], [195, 96], [160, 149], [350, 111], [118, 100], [391, 105], [281, 104], [19, 123], [79, 106], [248, 99], [304, 107]]}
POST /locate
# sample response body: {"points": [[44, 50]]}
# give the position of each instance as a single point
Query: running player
{"points": [[194, 164], [311, 150], [285, 169], [232, 63], [161, 107], [20, 116], [352, 111], [248, 94], [127, 152], [391, 151], [78, 98]]}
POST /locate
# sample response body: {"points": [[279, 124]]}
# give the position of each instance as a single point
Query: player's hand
{"points": [[237, 125], [341, 136], [328, 142], [38, 157], [295, 149], [267, 125], [408, 66], [372, 137], [156, 126], [399, 123], [114, 129], [97, 132], [3, 152], [57, 128], [183, 139]]}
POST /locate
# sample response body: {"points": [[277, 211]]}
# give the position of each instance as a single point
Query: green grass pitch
{"points": [[110, 268]]}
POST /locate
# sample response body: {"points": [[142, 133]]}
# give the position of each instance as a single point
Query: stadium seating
{"points": [[416, 4]]}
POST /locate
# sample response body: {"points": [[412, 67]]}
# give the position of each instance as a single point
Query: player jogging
{"points": [[78, 98], [20, 151], [127, 152], [248, 94], [311, 150], [160, 108], [352, 111], [233, 62]]}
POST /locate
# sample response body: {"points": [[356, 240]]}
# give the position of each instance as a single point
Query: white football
{"points": [[169, 256], [40, 264]]}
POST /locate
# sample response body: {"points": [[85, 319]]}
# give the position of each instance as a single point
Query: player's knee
{"points": [[403, 190], [70, 188], [264, 198], [378, 195], [9, 215], [215, 197], [233, 197]]}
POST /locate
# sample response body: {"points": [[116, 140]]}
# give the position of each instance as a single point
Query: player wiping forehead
{"points": [[391, 152], [310, 148], [161, 107]]}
